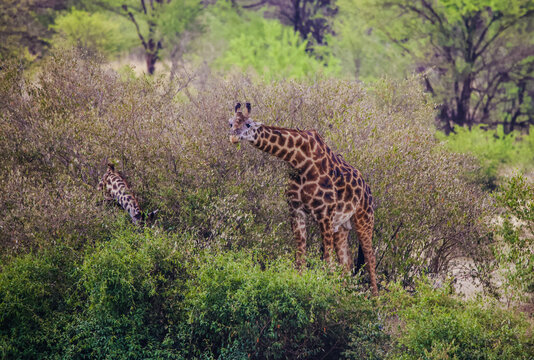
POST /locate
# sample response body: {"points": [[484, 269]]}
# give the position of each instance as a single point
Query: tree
{"points": [[312, 19], [477, 55], [95, 31], [155, 21], [23, 25]]}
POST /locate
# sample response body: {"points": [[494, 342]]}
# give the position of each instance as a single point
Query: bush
{"points": [[62, 128], [35, 303], [132, 287], [237, 309], [493, 148], [435, 325], [517, 230], [93, 31], [150, 295]]}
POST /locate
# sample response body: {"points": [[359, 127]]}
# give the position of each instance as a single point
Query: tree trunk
{"points": [[151, 59]]}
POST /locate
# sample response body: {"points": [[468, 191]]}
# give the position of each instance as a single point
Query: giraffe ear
{"points": [[111, 167], [237, 107], [249, 108]]}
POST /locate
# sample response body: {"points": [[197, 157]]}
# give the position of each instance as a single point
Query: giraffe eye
{"points": [[230, 124], [248, 125]]}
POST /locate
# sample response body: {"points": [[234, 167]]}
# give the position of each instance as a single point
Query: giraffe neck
{"points": [[292, 146]]}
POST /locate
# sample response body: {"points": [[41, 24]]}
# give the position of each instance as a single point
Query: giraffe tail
{"points": [[359, 261]]}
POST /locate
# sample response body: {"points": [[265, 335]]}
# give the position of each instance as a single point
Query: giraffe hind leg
{"points": [[364, 228]]}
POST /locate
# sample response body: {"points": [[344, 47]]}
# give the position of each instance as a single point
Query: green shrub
{"points": [[134, 286], [433, 324], [93, 31], [35, 306], [515, 252], [237, 309], [265, 46], [493, 148]]}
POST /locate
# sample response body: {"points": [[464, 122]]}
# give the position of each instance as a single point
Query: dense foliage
{"points": [[213, 276], [432, 324], [141, 295], [61, 130], [153, 295], [517, 231], [495, 150]]}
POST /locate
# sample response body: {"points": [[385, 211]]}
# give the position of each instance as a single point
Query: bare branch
{"points": [[132, 19]]}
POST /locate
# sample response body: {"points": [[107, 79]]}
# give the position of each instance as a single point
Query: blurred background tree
{"points": [[312, 19], [24, 26], [477, 55], [157, 23]]}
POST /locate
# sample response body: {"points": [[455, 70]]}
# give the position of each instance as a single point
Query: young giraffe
{"points": [[326, 187], [116, 188]]}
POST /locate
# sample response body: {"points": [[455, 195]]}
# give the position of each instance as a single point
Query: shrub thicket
{"points": [[494, 149], [434, 324], [152, 295], [35, 308], [515, 250], [141, 295], [237, 309], [171, 141]]}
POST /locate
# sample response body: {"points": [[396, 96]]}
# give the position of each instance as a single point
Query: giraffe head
{"points": [[241, 125]]}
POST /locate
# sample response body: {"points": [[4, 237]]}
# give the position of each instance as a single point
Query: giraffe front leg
{"points": [[298, 224], [327, 233], [341, 245]]}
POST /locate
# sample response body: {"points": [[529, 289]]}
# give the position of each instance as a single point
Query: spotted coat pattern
{"points": [[325, 187], [116, 188]]}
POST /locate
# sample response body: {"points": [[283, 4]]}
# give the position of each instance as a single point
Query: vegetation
{"points": [[435, 325], [517, 229], [495, 150], [213, 276]]}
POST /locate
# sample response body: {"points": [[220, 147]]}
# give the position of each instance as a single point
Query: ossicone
{"points": [[111, 167], [249, 108], [237, 107]]}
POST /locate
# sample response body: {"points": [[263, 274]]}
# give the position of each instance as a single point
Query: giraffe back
{"points": [[116, 188]]}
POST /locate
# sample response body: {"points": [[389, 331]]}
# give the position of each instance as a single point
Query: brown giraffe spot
{"points": [[325, 182], [290, 142], [281, 141], [348, 196], [329, 197], [312, 174], [288, 156], [316, 202], [306, 149], [310, 188], [299, 157]]}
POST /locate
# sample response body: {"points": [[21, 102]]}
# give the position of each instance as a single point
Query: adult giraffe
{"points": [[326, 187]]}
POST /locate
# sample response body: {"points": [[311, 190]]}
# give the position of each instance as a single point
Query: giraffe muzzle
{"points": [[234, 139]]}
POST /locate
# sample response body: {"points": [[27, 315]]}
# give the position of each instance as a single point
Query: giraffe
{"points": [[325, 186], [116, 188]]}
